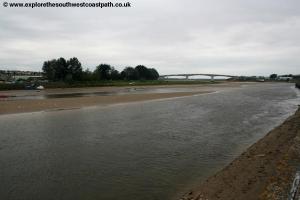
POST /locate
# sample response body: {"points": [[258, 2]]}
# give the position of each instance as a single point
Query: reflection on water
{"points": [[42, 95], [134, 151], [53, 96]]}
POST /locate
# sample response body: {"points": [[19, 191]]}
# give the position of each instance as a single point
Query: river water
{"points": [[146, 150], [38, 94]]}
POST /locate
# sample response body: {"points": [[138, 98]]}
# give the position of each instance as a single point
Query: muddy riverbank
{"points": [[20, 101], [21, 106], [264, 171]]}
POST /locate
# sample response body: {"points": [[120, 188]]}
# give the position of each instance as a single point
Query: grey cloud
{"points": [[231, 36]]}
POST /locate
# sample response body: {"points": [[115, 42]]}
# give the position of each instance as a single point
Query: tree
{"points": [[74, 69], [71, 70], [103, 71], [154, 75], [273, 76], [87, 75], [129, 73], [61, 69], [114, 74], [143, 72], [49, 69]]}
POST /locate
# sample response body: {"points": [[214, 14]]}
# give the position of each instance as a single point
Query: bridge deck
{"points": [[187, 75]]}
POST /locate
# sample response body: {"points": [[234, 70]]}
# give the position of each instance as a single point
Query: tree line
{"points": [[71, 70]]}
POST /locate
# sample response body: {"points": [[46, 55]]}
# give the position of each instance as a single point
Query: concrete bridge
{"points": [[186, 76]]}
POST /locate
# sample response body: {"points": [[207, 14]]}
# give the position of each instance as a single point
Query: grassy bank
{"points": [[107, 83]]}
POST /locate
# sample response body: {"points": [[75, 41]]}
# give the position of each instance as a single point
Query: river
{"points": [[148, 150]]}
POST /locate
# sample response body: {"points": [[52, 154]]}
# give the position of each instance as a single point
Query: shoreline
{"points": [[34, 105], [26, 106], [264, 171], [118, 88]]}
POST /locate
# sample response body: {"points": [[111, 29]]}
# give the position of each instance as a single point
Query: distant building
{"points": [[16, 75], [26, 77]]}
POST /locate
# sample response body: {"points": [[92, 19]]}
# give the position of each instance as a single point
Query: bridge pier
{"points": [[212, 78], [186, 77]]}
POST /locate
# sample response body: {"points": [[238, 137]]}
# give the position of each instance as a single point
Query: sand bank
{"points": [[33, 105], [21, 106]]}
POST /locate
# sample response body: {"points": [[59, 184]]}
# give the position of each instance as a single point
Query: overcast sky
{"points": [[238, 37]]}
